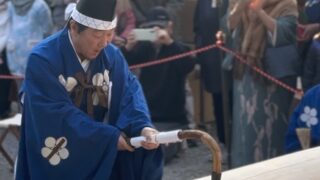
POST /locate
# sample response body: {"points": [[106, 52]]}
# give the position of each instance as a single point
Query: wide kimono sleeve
{"points": [[306, 115], [58, 140], [285, 32], [132, 114]]}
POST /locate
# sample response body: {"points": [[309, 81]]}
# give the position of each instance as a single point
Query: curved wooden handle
{"points": [[211, 144]]}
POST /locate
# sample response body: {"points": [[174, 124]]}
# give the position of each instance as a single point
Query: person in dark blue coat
{"points": [[309, 20], [206, 25], [311, 71], [81, 103]]}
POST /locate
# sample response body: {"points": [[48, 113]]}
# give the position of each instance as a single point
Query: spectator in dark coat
{"points": [[206, 25], [164, 84], [309, 25], [311, 72]]}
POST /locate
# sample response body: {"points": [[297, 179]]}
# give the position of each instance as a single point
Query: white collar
{"points": [[85, 63]]}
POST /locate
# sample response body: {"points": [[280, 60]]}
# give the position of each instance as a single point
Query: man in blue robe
{"points": [[306, 115], [81, 103]]}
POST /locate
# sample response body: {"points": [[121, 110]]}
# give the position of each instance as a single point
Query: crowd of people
{"points": [[281, 38]]}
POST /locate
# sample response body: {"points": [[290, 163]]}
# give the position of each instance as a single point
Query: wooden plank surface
{"points": [[302, 165]]}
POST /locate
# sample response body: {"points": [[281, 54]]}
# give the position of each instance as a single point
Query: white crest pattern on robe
{"points": [[61, 153], [99, 79], [309, 116], [69, 84]]}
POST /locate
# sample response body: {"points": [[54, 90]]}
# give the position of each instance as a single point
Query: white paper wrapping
{"points": [[136, 141], [161, 138]]}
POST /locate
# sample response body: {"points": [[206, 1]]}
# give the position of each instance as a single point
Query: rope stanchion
{"points": [[219, 45]]}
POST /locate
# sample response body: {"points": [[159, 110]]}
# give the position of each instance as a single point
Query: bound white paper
{"points": [[161, 138]]}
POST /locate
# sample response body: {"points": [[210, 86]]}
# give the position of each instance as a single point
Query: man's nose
{"points": [[105, 41]]}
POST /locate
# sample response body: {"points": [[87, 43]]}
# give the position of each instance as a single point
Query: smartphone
{"points": [[145, 34]]}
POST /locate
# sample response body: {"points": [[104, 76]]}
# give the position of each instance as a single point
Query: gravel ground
{"points": [[11, 145], [191, 163]]}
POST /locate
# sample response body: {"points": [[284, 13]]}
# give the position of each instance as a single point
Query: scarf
{"points": [[22, 7], [253, 34], [4, 24]]}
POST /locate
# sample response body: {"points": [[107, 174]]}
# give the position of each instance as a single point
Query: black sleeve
{"points": [[183, 65], [309, 68], [139, 54], [196, 17]]}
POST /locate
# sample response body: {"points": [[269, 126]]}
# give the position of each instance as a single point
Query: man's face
{"points": [[90, 42]]}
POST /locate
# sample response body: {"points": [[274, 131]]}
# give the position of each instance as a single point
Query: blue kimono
{"points": [[72, 118], [306, 115]]}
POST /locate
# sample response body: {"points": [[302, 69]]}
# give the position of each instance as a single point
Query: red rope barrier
{"points": [[172, 58], [193, 52], [263, 73]]}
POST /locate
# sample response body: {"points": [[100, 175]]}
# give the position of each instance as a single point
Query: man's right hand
{"points": [[131, 41], [123, 145]]}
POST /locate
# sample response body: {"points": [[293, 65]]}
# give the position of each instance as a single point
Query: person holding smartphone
{"points": [[163, 84]]}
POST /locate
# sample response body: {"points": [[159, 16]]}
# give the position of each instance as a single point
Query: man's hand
{"points": [[123, 145], [150, 143], [257, 7], [163, 37], [131, 41], [119, 41], [310, 30]]}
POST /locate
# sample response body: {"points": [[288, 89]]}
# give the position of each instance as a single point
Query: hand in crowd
{"points": [[123, 145], [150, 143], [119, 41], [310, 30], [131, 41], [163, 36], [256, 5]]}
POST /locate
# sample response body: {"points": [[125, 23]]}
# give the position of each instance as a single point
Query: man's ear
{"points": [[73, 26]]}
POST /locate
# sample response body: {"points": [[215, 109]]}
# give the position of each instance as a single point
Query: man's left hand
{"points": [[150, 143], [163, 37]]}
